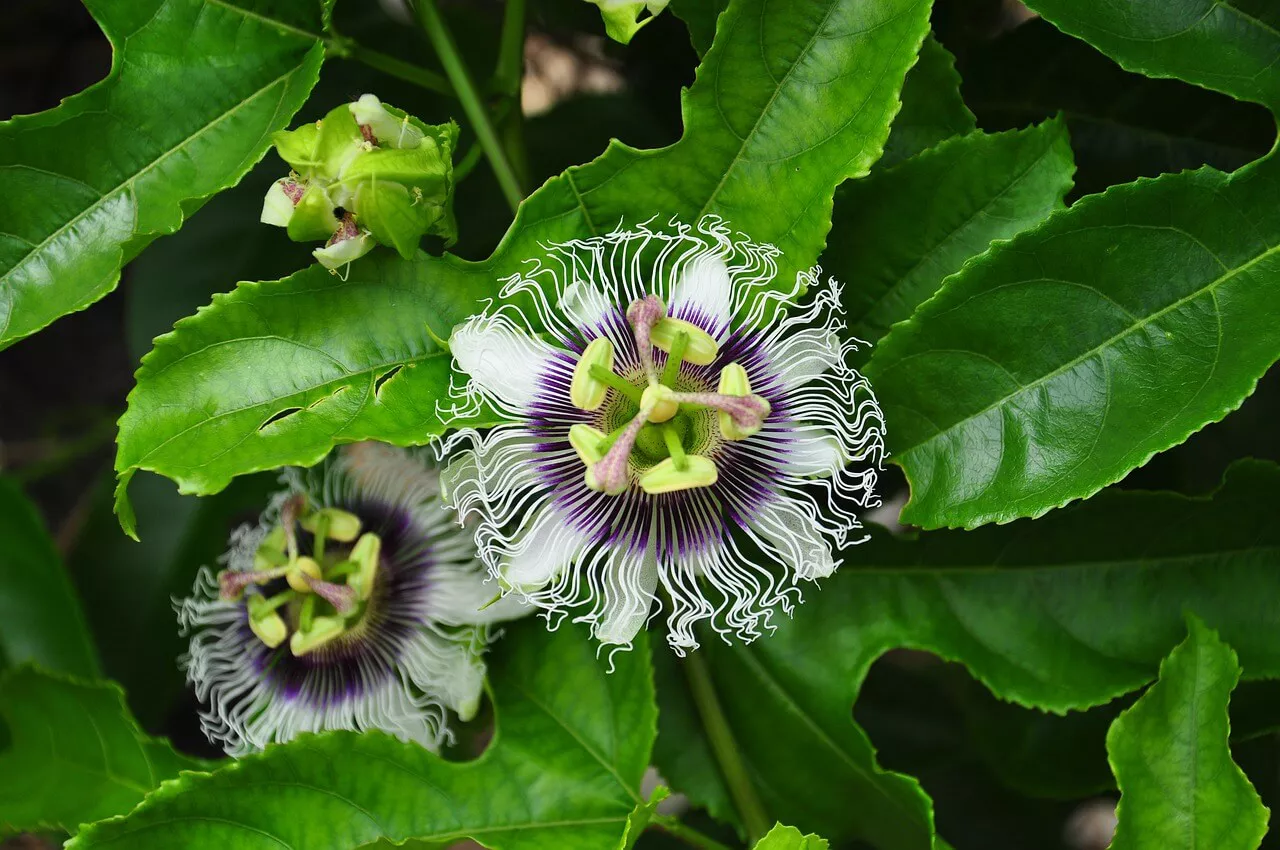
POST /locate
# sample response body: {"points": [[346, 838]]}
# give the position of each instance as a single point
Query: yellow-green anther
{"points": [[304, 566], [343, 526], [587, 442], [271, 551], [323, 630], [586, 392], [735, 382], [666, 477], [654, 399], [366, 553], [701, 349], [269, 628]]}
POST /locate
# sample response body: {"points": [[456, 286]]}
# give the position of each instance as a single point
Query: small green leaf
{"points": [[277, 373], [1054, 364], [1178, 785], [85, 186], [75, 755], [1063, 613], [562, 773], [789, 838], [40, 617], [900, 232], [640, 817], [1227, 45], [932, 109]]}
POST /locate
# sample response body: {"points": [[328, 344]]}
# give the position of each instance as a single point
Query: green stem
{"points": [[442, 40], [672, 369], [392, 66], [687, 834], [508, 74], [725, 748], [608, 378], [67, 453]]}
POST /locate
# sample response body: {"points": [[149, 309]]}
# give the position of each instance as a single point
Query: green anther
{"points": [[306, 613], [666, 478], [366, 553], [672, 439], [303, 566], [733, 381], [321, 631], [701, 348], [586, 391], [342, 526], [604, 376], [586, 441], [269, 628], [271, 551], [672, 370]]}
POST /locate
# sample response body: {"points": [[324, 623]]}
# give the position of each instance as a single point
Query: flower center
{"points": [[665, 419], [308, 599]]}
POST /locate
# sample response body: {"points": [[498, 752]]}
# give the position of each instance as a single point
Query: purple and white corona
{"points": [[680, 430], [355, 603]]}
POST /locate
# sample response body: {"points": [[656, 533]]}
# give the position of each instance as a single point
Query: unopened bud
{"points": [[388, 130]]}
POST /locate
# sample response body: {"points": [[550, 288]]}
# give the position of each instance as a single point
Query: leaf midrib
{"points": [[1208, 288]]}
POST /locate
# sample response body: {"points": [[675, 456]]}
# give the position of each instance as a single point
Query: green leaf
{"points": [[641, 816], [1178, 784], [789, 838], [40, 617], [563, 771], [85, 186], [900, 232], [1059, 614], [1123, 125], [700, 16], [74, 755], [932, 109], [277, 373], [1072, 354], [1226, 45]]}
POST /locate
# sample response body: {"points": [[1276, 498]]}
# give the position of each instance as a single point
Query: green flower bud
{"points": [[337, 254], [666, 477], [391, 131], [313, 217]]}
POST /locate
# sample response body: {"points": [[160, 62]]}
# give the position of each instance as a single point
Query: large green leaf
{"points": [[40, 617], [74, 754], [276, 373], [1056, 363], [1063, 613], [789, 838], [195, 90], [932, 110], [900, 232], [1227, 45], [1179, 787], [563, 771]]}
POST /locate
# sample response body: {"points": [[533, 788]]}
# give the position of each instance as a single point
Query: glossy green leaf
{"points": [[40, 617], [1179, 787], [86, 185], [900, 232], [789, 838], [1056, 363], [1227, 45], [563, 771], [1063, 613], [1123, 125], [700, 17], [74, 754], [277, 373], [932, 110]]}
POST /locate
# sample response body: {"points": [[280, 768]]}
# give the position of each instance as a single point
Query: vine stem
{"points": [[379, 61], [725, 748], [687, 834], [442, 40]]}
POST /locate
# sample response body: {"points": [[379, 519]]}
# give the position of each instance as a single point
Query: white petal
{"points": [[541, 552], [813, 452], [460, 595], [792, 532], [388, 474], [704, 287], [803, 356], [448, 667], [504, 362], [630, 580], [584, 305]]}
